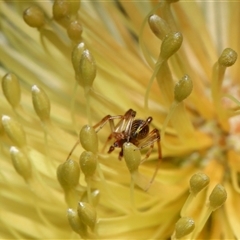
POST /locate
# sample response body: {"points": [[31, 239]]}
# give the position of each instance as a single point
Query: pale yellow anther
{"points": [[87, 214], [41, 103], [87, 69], [158, 26], [14, 131], [89, 139], [183, 88], [198, 182], [171, 43], [88, 163], [34, 17], [74, 31], [20, 163], [132, 156], [228, 57], [76, 56], [68, 174], [76, 224], [184, 226], [11, 89], [217, 197], [61, 9]]}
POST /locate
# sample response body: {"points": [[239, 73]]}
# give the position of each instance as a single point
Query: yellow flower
{"points": [[68, 64]]}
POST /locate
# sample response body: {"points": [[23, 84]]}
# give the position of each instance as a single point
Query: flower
{"points": [[65, 66]]}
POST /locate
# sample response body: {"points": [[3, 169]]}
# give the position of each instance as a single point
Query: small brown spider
{"points": [[129, 129]]}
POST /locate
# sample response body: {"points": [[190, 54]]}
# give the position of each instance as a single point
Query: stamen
{"points": [[87, 214], [177, 114], [227, 59], [11, 89], [198, 182], [170, 45], [14, 131], [216, 200], [183, 227]]}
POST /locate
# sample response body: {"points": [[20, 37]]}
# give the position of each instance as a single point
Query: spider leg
{"points": [[153, 136]]}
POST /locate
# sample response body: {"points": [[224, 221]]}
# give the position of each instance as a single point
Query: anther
{"points": [[68, 174], [11, 89], [198, 182], [87, 69], [89, 139], [171, 43], [183, 88], [228, 57], [132, 156], [158, 26], [217, 197], [34, 17], [61, 9], [76, 56], [76, 224], [20, 163], [184, 226], [41, 103], [74, 31], [87, 214], [88, 163], [14, 131]]}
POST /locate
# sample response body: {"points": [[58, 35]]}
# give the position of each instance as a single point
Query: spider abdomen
{"points": [[139, 129]]}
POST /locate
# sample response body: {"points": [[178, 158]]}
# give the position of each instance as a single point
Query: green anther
{"points": [[132, 156], [198, 182], [184, 226], [89, 139], [87, 214], [217, 197], [34, 17], [228, 57], [171, 43], [183, 88], [68, 174], [88, 163]]}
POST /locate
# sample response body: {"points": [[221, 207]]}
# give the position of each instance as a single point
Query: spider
{"points": [[129, 129]]}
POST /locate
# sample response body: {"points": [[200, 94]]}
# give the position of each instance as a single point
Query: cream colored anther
{"points": [[11, 89], [41, 103], [14, 131], [21, 163]]}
